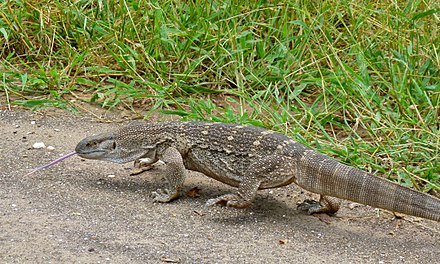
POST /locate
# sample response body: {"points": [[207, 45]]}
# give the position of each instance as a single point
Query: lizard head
{"points": [[119, 147]]}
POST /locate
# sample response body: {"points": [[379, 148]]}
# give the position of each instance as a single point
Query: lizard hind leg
{"points": [[271, 168], [326, 204], [267, 169], [242, 199]]}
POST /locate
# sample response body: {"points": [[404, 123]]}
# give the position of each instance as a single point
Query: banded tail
{"points": [[326, 176]]}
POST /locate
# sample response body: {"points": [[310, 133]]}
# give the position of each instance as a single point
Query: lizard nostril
{"points": [[114, 145]]}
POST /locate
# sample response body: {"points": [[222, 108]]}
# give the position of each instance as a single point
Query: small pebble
{"points": [[33, 122], [111, 175], [50, 148], [38, 145], [56, 129]]}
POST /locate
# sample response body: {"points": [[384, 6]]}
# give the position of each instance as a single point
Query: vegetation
{"points": [[356, 80]]}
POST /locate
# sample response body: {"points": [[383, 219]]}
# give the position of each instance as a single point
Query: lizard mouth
{"points": [[95, 154]]}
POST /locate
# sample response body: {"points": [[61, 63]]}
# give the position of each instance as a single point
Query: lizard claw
{"points": [[216, 201]]}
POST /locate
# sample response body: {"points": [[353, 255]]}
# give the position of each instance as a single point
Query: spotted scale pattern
{"points": [[251, 158]]}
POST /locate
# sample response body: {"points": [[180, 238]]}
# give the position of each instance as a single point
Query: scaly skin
{"points": [[251, 158]]}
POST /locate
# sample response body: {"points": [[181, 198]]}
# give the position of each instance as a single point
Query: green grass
{"points": [[355, 80]]}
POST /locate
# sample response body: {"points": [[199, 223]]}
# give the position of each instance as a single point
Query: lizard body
{"points": [[251, 158]]}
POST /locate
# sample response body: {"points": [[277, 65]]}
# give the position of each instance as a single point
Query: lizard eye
{"points": [[114, 145]]}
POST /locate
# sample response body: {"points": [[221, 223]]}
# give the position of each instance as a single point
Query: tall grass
{"points": [[353, 79]]}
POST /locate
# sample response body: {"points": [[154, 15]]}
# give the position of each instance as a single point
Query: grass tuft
{"points": [[355, 80]]}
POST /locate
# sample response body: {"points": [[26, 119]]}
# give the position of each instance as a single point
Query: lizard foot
{"points": [[230, 200], [315, 207], [164, 195], [309, 206]]}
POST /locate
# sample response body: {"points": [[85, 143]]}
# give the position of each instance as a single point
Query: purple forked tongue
{"points": [[52, 163]]}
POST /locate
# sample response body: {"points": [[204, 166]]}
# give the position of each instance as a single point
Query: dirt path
{"points": [[83, 211]]}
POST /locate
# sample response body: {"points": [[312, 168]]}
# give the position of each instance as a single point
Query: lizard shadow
{"points": [[264, 209], [265, 205]]}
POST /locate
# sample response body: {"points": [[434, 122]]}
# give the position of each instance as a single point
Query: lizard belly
{"points": [[231, 170], [223, 169], [274, 183]]}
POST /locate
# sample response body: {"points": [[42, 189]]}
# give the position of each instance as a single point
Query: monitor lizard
{"points": [[251, 158]]}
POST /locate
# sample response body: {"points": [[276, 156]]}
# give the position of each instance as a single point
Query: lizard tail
{"points": [[321, 174]]}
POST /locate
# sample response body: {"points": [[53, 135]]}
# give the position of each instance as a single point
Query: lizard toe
{"points": [[315, 207], [229, 200], [310, 206]]}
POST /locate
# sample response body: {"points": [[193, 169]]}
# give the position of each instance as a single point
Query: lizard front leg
{"points": [[174, 171]]}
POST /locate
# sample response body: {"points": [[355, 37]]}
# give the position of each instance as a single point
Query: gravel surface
{"points": [[84, 211]]}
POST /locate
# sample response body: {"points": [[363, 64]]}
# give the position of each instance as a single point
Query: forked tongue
{"points": [[52, 163]]}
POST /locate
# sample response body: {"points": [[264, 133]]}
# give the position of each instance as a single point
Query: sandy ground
{"points": [[84, 211]]}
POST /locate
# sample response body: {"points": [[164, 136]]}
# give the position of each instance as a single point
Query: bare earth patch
{"points": [[86, 211]]}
